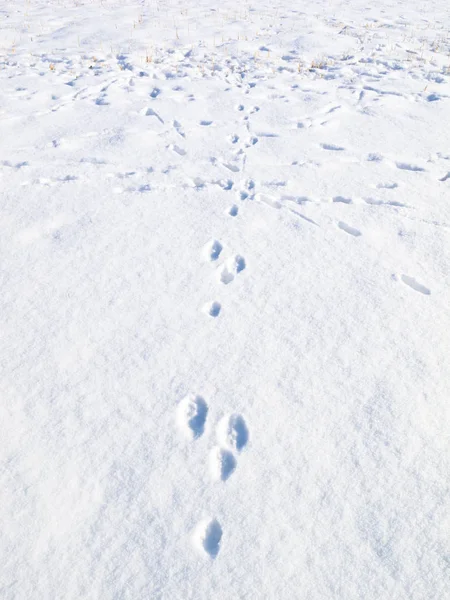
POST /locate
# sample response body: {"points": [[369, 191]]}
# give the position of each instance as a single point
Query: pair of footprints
{"points": [[232, 434], [232, 438], [226, 272], [230, 268]]}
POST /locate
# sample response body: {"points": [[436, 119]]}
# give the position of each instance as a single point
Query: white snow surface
{"points": [[224, 299]]}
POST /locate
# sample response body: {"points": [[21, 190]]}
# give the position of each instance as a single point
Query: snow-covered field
{"points": [[224, 233]]}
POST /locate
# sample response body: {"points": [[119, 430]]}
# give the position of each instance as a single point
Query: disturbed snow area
{"points": [[224, 308]]}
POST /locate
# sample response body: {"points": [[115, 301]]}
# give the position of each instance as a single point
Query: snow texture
{"points": [[224, 238]]}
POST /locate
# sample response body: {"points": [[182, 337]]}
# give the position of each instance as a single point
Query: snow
{"points": [[224, 310]]}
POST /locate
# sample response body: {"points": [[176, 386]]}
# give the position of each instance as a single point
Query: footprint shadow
{"points": [[222, 464], [208, 537], [192, 414], [233, 432]]}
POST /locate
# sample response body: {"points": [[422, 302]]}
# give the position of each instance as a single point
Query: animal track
{"points": [[222, 463], [409, 167], [415, 285], [249, 192], [375, 202], [387, 186], [213, 309], [233, 210], [197, 183], [191, 416], [177, 149], [348, 229], [178, 128], [101, 100], [6, 163], [231, 167], [269, 200], [342, 199], [149, 112], [232, 432], [332, 147], [373, 157], [225, 184], [213, 250], [231, 268], [207, 537]]}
